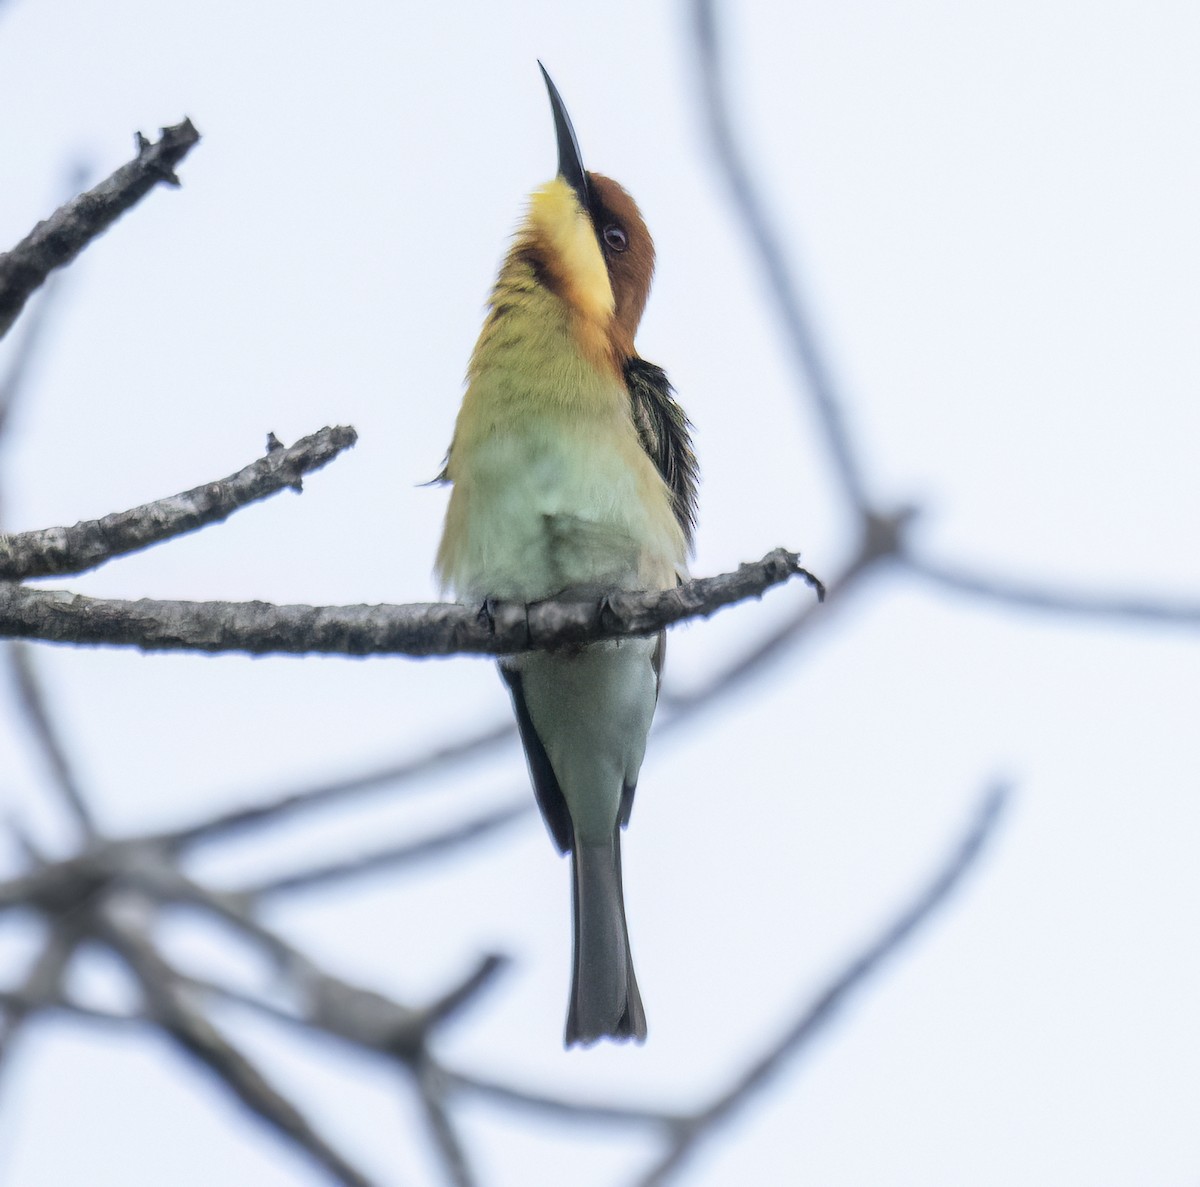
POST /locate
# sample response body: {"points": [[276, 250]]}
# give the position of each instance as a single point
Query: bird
{"points": [[572, 475]]}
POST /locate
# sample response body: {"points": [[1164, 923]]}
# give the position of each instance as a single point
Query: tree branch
{"points": [[55, 551], [60, 238], [881, 539], [42, 985], [167, 1004], [788, 298], [438, 628], [1082, 604], [557, 1107], [21, 1003], [32, 699], [431, 1089], [816, 1016], [390, 856], [24, 353], [330, 1004], [394, 774]]}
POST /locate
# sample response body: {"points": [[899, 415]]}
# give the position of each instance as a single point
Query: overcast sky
{"points": [[993, 210]]}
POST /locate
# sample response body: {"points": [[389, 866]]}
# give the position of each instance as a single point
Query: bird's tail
{"points": [[605, 1002]]}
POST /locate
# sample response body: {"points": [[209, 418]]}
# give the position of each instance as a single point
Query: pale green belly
{"points": [[543, 516]]}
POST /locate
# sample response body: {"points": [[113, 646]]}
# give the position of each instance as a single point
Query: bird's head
{"points": [[588, 242]]}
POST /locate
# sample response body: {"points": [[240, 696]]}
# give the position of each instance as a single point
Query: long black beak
{"points": [[570, 160]]}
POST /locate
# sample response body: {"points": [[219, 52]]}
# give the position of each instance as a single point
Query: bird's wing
{"points": [[665, 435], [551, 801]]}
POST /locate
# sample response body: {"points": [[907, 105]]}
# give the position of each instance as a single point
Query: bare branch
{"points": [[12, 383], [57, 888], [42, 985], [455, 999], [802, 337], [239, 997], [60, 238], [23, 355], [390, 856], [76, 887], [363, 1017], [881, 540], [431, 1089], [817, 1015], [337, 1007], [18, 1001], [438, 628], [1037, 597], [13, 380], [390, 777], [745, 666], [166, 1000], [55, 551], [32, 698], [553, 1106]]}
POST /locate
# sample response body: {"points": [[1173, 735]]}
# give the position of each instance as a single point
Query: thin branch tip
{"points": [[781, 565], [85, 545], [173, 144], [490, 966], [56, 241]]}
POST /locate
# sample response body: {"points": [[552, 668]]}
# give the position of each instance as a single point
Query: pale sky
{"points": [[992, 208]]}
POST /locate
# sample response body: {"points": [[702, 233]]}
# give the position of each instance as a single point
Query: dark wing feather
{"points": [[550, 798], [666, 436], [657, 660]]}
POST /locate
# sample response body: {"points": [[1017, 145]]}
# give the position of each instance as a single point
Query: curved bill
{"points": [[570, 160]]}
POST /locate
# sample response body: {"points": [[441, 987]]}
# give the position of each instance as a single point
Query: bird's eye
{"points": [[615, 237]]}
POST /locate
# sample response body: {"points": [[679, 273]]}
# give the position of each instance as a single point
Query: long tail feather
{"points": [[605, 1002]]}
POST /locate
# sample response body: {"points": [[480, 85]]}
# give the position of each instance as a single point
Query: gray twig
{"points": [[42, 985], [390, 856], [392, 776], [1031, 596], [33, 700], [560, 1107], [20, 1002], [23, 354], [798, 325], [337, 1007], [60, 238], [12, 383], [457, 997], [818, 1014], [164, 990], [55, 551], [881, 540], [431, 1090]]}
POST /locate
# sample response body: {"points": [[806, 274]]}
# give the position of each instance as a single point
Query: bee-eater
{"points": [[573, 475]]}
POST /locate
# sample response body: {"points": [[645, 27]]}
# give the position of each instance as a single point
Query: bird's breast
{"points": [[552, 488], [552, 504]]}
